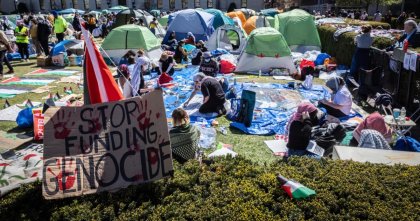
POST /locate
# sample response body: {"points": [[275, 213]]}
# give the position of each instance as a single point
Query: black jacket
{"points": [[299, 134], [413, 41], [44, 30]]}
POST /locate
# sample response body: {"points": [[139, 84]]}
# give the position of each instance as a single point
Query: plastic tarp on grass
{"points": [[255, 22], [266, 48], [220, 18], [131, 37], [275, 103], [199, 23], [299, 30]]}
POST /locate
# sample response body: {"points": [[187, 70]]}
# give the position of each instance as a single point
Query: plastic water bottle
{"points": [[259, 73], [403, 114]]}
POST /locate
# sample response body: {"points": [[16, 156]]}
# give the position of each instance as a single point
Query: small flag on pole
{"points": [[294, 189]]}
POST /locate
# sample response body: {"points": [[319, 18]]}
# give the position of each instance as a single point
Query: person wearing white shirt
{"points": [[124, 81], [141, 68], [341, 102], [377, 16]]}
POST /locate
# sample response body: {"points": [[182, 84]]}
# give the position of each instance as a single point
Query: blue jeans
{"points": [[302, 153]]}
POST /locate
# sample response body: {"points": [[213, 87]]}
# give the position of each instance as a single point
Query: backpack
{"points": [[407, 144]]}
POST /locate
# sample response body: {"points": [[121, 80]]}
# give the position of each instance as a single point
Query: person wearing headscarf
{"points": [[373, 139], [22, 40], [190, 39], [180, 53], [340, 104], [411, 34], [375, 122], [300, 128]]}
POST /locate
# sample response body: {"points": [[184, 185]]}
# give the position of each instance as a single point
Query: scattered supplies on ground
{"points": [[278, 147], [20, 167], [223, 152]]}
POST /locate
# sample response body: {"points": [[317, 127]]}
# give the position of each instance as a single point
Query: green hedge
{"points": [[343, 49], [237, 189]]}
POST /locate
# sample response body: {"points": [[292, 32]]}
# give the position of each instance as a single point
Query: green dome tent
{"points": [[265, 49], [299, 29], [164, 20], [220, 18], [131, 37]]}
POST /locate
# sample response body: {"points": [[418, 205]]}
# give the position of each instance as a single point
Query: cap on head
{"points": [[54, 13]]}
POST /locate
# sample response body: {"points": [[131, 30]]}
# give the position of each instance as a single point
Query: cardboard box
{"points": [[43, 61]]}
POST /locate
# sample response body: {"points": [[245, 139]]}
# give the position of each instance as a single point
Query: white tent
{"points": [[228, 37]]}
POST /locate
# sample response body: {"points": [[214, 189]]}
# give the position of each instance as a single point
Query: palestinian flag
{"points": [[294, 189]]}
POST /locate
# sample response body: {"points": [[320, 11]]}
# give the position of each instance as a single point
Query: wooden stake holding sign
{"points": [[105, 147]]}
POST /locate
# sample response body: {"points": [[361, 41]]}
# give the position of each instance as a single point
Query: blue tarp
{"points": [[199, 23]]}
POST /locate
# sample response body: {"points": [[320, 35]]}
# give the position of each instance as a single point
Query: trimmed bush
{"points": [[238, 189], [344, 48]]}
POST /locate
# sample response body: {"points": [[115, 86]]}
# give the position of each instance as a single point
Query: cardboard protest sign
{"points": [[104, 147]]}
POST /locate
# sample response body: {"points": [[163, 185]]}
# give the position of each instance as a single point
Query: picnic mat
{"points": [[9, 93], [20, 167], [59, 72], [20, 81]]}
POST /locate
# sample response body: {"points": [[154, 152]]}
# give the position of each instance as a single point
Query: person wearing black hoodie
{"points": [[44, 32]]}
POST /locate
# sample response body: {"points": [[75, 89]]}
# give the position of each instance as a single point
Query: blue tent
{"points": [[65, 45], [199, 23], [71, 11], [270, 12], [220, 18]]}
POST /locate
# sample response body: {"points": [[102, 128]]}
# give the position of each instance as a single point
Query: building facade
{"points": [[35, 6]]}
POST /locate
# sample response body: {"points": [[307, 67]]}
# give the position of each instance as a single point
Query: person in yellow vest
{"points": [[60, 26], [22, 40]]}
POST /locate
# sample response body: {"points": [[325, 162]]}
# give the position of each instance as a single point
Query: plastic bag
{"points": [[25, 118], [207, 137]]}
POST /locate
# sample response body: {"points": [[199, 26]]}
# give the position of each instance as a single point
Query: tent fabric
{"points": [[270, 12], [272, 21], [255, 22], [164, 20], [220, 18], [237, 14], [200, 23], [247, 12], [65, 45], [225, 36], [265, 49], [298, 28], [131, 37], [123, 17], [117, 8]]}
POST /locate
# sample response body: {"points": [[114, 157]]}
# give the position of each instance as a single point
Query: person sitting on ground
{"points": [[197, 53], [361, 58], [300, 128], [124, 81], [340, 104], [131, 21], [376, 122], [213, 94], [166, 64], [184, 137], [209, 66], [124, 59], [190, 39], [172, 42], [411, 34], [180, 53]]}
